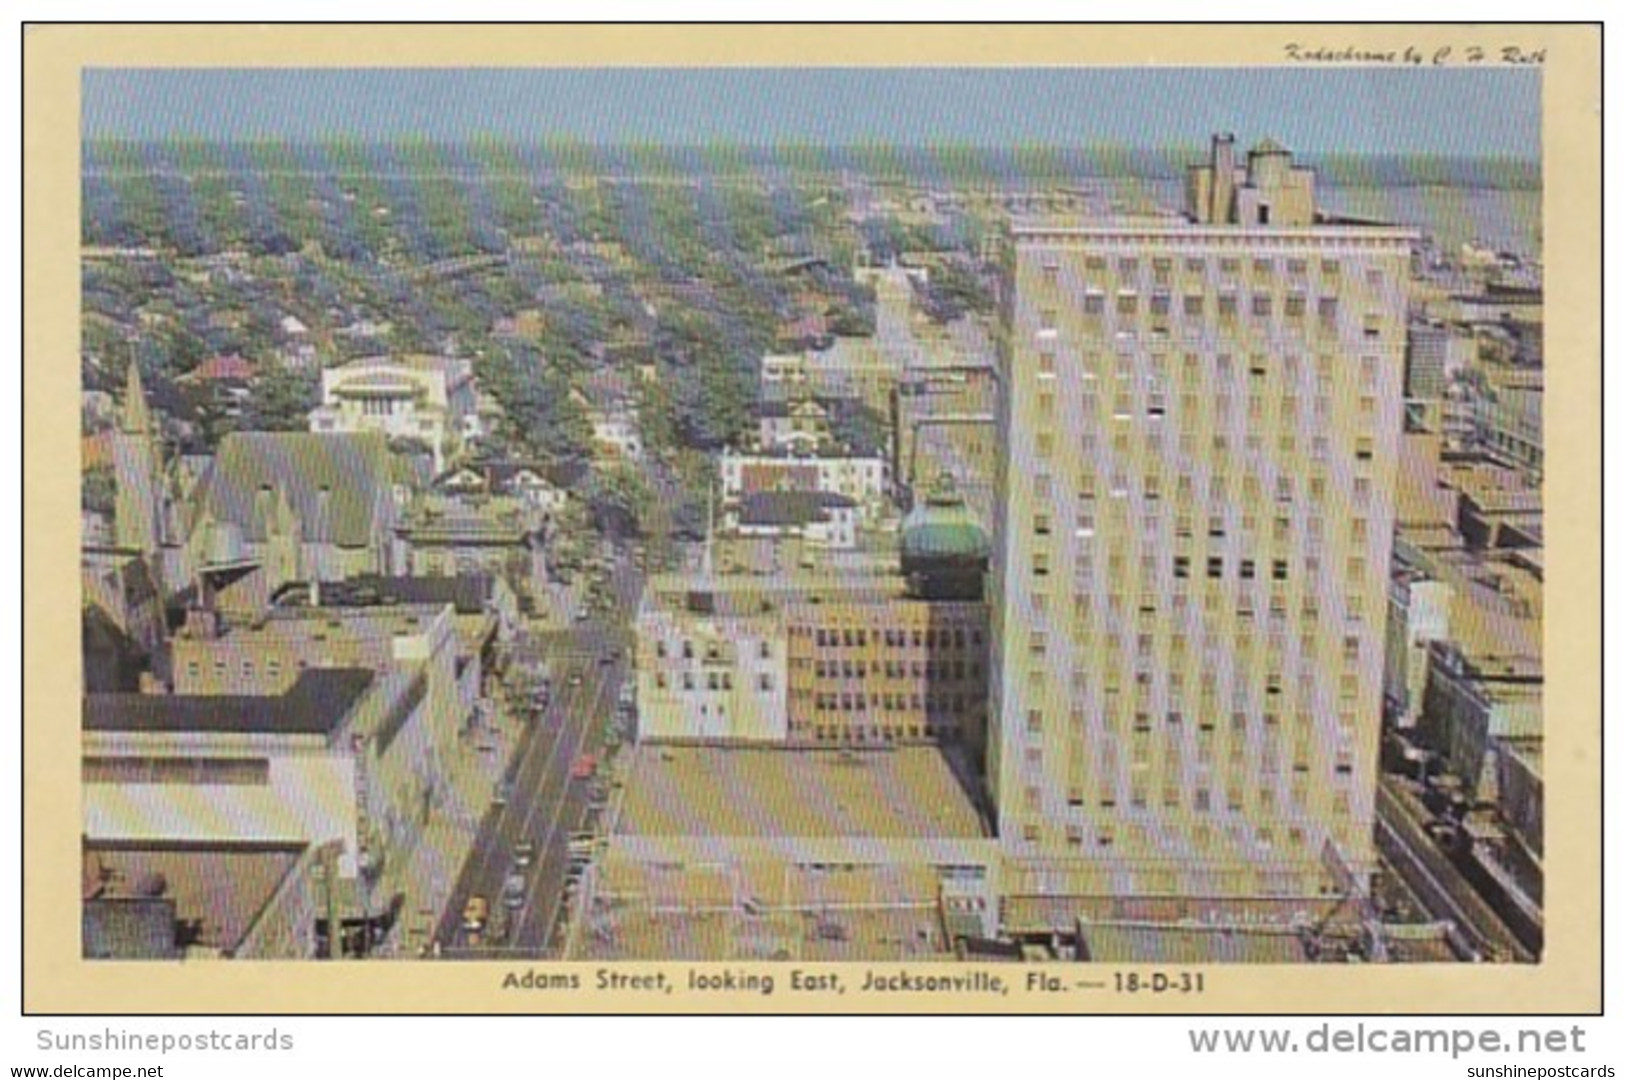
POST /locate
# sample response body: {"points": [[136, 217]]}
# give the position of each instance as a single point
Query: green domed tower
{"points": [[944, 547]]}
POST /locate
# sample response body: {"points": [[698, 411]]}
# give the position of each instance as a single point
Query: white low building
{"points": [[427, 398], [864, 480]]}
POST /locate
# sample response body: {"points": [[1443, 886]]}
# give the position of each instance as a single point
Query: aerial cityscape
{"points": [[509, 547]]}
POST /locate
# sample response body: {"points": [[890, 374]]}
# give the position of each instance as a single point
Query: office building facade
{"points": [[1192, 535]]}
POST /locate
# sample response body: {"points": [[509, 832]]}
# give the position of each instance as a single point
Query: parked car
{"points": [[581, 847], [503, 792], [524, 853], [497, 932], [584, 768], [475, 914], [513, 890]]}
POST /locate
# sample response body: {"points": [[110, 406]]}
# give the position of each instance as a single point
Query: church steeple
{"points": [[137, 417], [137, 470]]}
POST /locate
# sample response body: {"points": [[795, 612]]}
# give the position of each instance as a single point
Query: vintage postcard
{"points": [[812, 519]]}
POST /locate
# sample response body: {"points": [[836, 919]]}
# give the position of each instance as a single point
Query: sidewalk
{"points": [[428, 873]]}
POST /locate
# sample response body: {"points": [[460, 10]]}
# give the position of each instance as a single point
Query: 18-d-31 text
{"points": [[1158, 982]]}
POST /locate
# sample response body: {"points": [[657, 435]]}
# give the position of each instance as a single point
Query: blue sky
{"points": [[1469, 112]]}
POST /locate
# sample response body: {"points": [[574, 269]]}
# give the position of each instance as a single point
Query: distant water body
{"points": [[1456, 200], [1507, 219]]}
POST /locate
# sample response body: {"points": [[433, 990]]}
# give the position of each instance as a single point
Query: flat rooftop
{"points": [[1497, 607], [1149, 943], [1496, 489], [1038, 226], [615, 931], [865, 577], [293, 617], [737, 791], [317, 704], [466, 593], [218, 891]]}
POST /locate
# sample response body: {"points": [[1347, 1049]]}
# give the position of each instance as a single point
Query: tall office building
{"points": [[1193, 523]]}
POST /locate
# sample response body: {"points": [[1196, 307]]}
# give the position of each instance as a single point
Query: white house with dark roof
{"points": [[611, 409], [821, 517], [534, 484]]}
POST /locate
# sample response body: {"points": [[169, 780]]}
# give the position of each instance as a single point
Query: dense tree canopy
{"points": [[282, 400]]}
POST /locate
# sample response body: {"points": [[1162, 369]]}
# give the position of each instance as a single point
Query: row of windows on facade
{"points": [[1251, 490], [1111, 659], [1205, 731], [1121, 485], [1219, 438], [956, 671], [1110, 715], [875, 733], [1220, 434], [1227, 306], [1162, 267], [1149, 494], [1239, 780], [1236, 799], [1246, 569], [1201, 838], [1204, 408], [935, 638], [1174, 637], [246, 668], [1266, 764], [931, 703], [1124, 334], [1279, 596], [715, 681], [1154, 604], [177, 770], [1178, 646], [1219, 363], [1302, 791], [1110, 712], [713, 650], [1195, 410], [1242, 693]]}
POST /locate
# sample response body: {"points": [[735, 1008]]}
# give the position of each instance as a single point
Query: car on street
{"points": [[585, 766], [583, 614], [524, 853], [513, 890], [475, 914], [503, 792], [501, 925], [575, 678], [581, 846]]}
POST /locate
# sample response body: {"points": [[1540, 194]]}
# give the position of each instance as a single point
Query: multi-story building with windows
{"points": [[888, 651], [1200, 417], [888, 669]]}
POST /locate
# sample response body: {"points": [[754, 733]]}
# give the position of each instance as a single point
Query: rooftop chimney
{"points": [[1224, 179]]}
